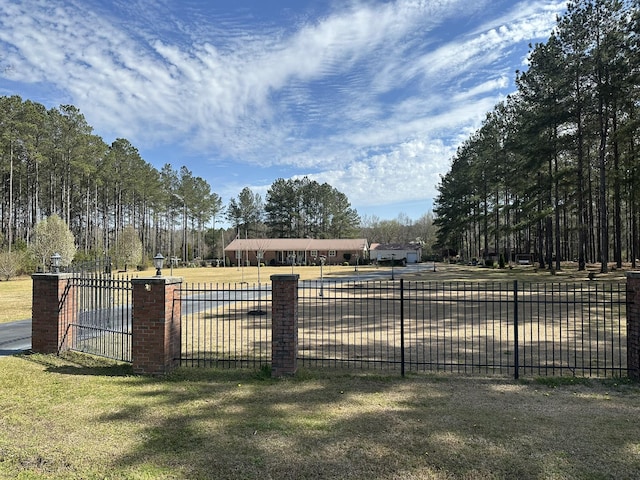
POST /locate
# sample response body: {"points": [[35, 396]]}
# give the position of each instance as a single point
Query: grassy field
{"points": [[15, 298], [15, 295], [81, 417]]}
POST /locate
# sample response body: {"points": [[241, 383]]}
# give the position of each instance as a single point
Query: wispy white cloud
{"points": [[369, 96]]}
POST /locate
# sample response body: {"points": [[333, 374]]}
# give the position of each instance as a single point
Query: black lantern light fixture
{"points": [[55, 262], [158, 262]]}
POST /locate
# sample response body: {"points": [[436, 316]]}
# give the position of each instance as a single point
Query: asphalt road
{"points": [[15, 337]]}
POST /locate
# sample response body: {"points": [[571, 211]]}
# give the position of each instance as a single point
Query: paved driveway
{"points": [[15, 337]]}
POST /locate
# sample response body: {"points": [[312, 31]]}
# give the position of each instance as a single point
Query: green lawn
{"points": [[15, 298], [81, 417]]}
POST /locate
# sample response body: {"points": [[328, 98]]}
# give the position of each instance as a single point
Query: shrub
{"points": [[129, 247], [10, 264], [52, 235]]}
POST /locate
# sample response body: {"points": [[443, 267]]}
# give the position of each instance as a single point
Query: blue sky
{"points": [[372, 97]]}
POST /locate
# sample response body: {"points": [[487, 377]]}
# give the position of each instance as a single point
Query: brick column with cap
{"points": [[633, 325], [155, 325], [53, 309], [284, 326]]}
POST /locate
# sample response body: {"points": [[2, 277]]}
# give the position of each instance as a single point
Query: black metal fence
{"points": [[100, 322], [97, 266], [507, 329], [226, 325], [489, 328]]}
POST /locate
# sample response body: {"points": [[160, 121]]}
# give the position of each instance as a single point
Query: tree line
{"points": [[303, 208], [53, 164], [553, 170], [295, 208]]}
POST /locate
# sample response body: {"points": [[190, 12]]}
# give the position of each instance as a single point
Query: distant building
{"points": [[299, 251], [396, 252]]}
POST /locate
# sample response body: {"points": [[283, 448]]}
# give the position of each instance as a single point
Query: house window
{"points": [[314, 253], [332, 253]]}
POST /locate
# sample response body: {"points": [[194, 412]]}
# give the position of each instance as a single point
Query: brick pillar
{"points": [[53, 308], [155, 325], [284, 325], [633, 325]]}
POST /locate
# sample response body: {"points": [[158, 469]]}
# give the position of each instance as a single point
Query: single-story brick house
{"points": [[300, 251], [397, 252]]}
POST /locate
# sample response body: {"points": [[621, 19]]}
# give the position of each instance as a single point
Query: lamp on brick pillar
{"points": [[55, 263], [158, 262]]}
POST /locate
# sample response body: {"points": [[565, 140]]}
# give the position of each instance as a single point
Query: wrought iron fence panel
{"points": [[225, 325], [459, 327], [576, 329], [349, 324], [464, 327], [101, 265], [100, 322]]}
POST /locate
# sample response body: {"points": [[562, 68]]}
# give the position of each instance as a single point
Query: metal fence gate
{"points": [[100, 318]]}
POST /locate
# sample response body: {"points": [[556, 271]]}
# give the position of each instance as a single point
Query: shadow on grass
{"points": [[73, 363], [10, 352], [229, 424], [242, 424]]}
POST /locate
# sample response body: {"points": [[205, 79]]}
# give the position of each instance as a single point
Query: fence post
{"points": [[633, 325], [155, 324], [53, 309], [284, 325], [402, 359], [516, 347]]}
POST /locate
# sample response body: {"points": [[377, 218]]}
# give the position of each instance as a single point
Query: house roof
{"points": [[297, 244]]}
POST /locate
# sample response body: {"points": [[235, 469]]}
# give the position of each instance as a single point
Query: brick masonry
{"points": [[633, 325], [53, 309], [284, 326], [155, 325]]}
